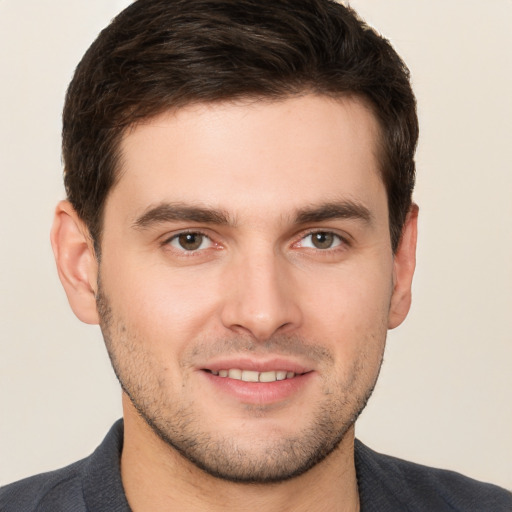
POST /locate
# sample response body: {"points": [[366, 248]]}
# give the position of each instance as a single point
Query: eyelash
{"points": [[342, 242], [167, 242]]}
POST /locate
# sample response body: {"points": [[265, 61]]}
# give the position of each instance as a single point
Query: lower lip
{"points": [[259, 392]]}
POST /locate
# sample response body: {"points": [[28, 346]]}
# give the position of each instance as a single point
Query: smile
{"points": [[254, 376]]}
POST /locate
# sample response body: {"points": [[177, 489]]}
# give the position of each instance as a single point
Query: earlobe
{"points": [[76, 262], [403, 270]]}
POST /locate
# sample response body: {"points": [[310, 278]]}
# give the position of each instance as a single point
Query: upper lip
{"points": [[257, 365]]}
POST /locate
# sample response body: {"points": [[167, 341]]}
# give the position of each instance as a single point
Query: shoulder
{"points": [[54, 491], [92, 484], [401, 485]]}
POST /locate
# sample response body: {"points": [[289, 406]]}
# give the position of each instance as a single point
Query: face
{"points": [[247, 280]]}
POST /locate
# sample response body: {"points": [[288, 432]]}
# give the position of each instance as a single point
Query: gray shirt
{"points": [[386, 484]]}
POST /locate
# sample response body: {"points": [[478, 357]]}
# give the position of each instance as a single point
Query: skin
{"points": [[253, 184]]}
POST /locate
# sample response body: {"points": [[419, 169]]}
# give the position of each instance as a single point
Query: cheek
{"points": [[349, 311], [350, 298], [161, 304]]}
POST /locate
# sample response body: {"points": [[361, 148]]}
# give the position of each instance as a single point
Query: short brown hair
{"points": [[164, 54]]}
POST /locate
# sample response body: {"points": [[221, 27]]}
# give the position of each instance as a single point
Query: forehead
{"points": [[252, 156]]}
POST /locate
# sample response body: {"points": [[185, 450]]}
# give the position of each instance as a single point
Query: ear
{"points": [[403, 270], [76, 262]]}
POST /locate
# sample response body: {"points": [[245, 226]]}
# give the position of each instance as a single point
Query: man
{"points": [[239, 222]]}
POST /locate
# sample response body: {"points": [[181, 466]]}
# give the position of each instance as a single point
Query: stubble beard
{"points": [[176, 424]]}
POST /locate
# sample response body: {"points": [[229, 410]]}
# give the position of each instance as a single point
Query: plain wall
{"points": [[444, 396]]}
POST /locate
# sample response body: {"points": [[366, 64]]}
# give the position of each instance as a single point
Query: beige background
{"points": [[444, 397]]}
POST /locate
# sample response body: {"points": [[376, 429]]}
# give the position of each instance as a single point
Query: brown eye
{"points": [[321, 240], [190, 241]]}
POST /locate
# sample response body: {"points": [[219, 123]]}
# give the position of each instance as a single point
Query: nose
{"points": [[260, 298]]}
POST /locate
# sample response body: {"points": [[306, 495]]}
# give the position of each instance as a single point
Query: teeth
{"points": [[235, 374], [252, 376], [268, 377]]}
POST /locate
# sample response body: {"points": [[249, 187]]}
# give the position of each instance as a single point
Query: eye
{"points": [[190, 241], [321, 240]]}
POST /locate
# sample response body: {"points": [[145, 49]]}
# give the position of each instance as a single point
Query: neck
{"points": [[156, 478]]}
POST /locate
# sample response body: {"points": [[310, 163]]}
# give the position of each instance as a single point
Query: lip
{"points": [[257, 393], [257, 365]]}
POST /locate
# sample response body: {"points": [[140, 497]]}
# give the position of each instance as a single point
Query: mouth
{"points": [[258, 387], [254, 376], [256, 380]]}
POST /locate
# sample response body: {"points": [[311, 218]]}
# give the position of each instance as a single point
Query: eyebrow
{"points": [[172, 212], [345, 209], [168, 212]]}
